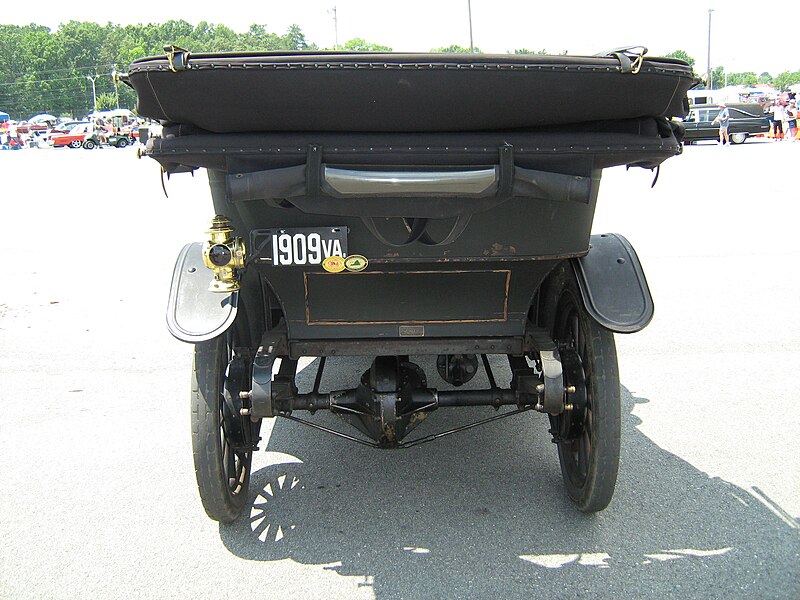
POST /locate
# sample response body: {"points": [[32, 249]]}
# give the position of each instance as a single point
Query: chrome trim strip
{"points": [[348, 182]]}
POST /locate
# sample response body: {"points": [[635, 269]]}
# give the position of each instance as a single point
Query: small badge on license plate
{"points": [[300, 246]]}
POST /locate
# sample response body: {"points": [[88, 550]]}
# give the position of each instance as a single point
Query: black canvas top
{"points": [[392, 92], [576, 149]]}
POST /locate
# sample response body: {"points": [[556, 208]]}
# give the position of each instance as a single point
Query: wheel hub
{"points": [[236, 426], [570, 424]]}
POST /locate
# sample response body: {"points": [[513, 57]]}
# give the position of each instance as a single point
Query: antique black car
{"points": [[746, 120], [396, 205]]}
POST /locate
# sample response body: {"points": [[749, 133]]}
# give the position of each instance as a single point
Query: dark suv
{"points": [[746, 119]]}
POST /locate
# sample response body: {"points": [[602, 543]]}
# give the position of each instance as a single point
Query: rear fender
{"points": [[613, 284], [194, 314]]}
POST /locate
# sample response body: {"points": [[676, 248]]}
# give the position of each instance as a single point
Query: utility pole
{"points": [[709, 83], [115, 78], [335, 27], [469, 10], [94, 91]]}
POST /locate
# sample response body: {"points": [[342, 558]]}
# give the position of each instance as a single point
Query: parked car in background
{"points": [[28, 127], [84, 135], [38, 124], [74, 138], [747, 119], [61, 129], [66, 126]]}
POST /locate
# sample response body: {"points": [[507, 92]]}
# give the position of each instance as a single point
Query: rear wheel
{"points": [[588, 435], [738, 138], [75, 144], [122, 142], [89, 144], [222, 439]]}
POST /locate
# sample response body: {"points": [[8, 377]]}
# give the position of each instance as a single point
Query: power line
{"points": [[36, 81], [88, 68]]}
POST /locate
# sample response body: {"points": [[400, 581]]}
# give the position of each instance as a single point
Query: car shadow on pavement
{"points": [[483, 514]]}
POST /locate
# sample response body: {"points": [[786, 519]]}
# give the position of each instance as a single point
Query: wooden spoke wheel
{"points": [[588, 435], [222, 439]]}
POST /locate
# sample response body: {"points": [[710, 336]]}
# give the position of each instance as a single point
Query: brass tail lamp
{"points": [[223, 254]]}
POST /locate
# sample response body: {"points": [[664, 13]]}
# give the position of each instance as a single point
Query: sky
{"points": [[740, 40]]}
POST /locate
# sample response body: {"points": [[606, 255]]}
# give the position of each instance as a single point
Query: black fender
{"points": [[195, 314], [613, 285]]}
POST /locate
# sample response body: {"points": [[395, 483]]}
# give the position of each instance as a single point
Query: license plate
{"points": [[300, 245]]}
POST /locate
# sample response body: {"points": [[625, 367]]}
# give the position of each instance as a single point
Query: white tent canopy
{"points": [[42, 118], [108, 114]]}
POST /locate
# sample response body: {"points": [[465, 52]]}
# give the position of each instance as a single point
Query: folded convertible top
{"points": [[576, 149], [392, 92]]}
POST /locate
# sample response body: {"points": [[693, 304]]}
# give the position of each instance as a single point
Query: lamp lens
{"points": [[219, 255]]}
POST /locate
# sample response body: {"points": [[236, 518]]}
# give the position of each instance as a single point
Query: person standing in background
{"points": [[791, 121], [723, 118], [779, 115], [768, 113]]}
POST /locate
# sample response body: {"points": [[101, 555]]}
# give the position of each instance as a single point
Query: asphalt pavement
{"points": [[97, 490]]}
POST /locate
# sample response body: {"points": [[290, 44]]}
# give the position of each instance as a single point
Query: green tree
{"points": [[749, 78], [29, 71], [785, 79], [175, 32], [765, 78], [541, 52], [455, 49], [258, 38], [106, 102], [718, 77], [682, 55], [359, 45], [295, 39], [46, 71]]}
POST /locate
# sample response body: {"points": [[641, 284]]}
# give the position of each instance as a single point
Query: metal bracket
{"points": [[553, 387], [551, 390], [524, 381], [260, 394], [630, 58], [177, 57]]}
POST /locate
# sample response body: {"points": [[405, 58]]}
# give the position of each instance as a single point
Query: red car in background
{"points": [[37, 124], [25, 127], [66, 127], [74, 138]]}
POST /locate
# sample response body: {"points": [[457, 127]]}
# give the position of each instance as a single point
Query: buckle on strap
{"points": [[178, 58], [630, 58]]}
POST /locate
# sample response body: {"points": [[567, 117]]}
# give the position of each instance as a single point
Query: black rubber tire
{"points": [[590, 463], [122, 142], [75, 144], [89, 145], [223, 490]]}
